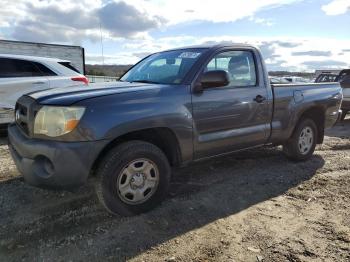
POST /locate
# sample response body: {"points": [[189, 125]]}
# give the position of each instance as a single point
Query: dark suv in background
{"points": [[344, 79]]}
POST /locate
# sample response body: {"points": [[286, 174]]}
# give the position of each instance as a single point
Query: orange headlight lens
{"points": [[56, 121]]}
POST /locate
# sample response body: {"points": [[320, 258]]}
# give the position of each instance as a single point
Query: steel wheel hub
{"points": [[306, 140], [138, 181]]}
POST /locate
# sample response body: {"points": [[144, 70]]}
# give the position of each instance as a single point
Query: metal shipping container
{"points": [[75, 54]]}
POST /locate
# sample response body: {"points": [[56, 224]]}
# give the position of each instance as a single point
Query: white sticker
{"points": [[192, 55]]}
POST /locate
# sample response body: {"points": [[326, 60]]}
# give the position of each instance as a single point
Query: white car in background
{"points": [[296, 79], [23, 74], [274, 80]]}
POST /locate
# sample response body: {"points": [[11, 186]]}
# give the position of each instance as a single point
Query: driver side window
{"points": [[239, 65]]}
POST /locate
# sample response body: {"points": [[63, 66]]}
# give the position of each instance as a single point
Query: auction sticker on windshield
{"points": [[192, 55]]}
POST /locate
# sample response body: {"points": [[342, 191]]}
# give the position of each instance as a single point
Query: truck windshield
{"points": [[168, 67]]}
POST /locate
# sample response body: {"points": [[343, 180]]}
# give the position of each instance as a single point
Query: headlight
{"points": [[56, 121]]}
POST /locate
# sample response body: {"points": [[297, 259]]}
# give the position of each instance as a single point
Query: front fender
{"points": [[110, 117]]}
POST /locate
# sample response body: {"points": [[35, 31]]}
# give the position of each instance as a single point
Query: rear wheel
{"points": [[343, 115], [133, 178], [301, 145]]}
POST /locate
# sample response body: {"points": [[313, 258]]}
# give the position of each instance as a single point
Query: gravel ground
{"points": [[250, 206]]}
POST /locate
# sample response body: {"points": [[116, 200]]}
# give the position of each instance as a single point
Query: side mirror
{"points": [[345, 82], [215, 78]]}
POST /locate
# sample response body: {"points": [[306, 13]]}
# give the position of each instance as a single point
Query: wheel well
{"points": [[163, 138], [317, 114]]}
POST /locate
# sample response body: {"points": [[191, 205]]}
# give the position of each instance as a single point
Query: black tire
{"points": [[3, 130], [111, 167], [3, 133], [291, 147], [343, 115]]}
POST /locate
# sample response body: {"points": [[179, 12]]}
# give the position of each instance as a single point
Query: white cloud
{"points": [[262, 21], [278, 52], [208, 10], [75, 20], [337, 7], [66, 21]]}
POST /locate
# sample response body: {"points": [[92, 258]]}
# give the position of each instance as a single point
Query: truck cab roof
{"points": [[213, 46]]}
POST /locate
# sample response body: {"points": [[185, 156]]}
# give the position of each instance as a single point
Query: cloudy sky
{"points": [[293, 35]]}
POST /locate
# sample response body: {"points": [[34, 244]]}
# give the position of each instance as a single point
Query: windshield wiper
{"points": [[145, 81]]}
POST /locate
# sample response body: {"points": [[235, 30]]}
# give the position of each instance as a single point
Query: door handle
{"points": [[38, 83], [259, 99]]}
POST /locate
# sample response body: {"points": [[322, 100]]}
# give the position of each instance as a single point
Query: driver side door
{"points": [[230, 117]]}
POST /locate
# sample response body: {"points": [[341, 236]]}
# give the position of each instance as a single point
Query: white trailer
{"points": [[75, 54]]}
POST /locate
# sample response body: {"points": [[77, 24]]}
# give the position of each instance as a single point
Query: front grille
{"points": [[24, 114], [22, 117]]}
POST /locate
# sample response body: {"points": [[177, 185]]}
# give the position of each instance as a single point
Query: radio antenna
{"points": [[103, 59]]}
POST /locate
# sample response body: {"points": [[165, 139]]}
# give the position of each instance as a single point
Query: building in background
{"points": [[75, 54]]}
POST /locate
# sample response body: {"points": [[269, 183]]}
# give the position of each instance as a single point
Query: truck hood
{"points": [[66, 96]]}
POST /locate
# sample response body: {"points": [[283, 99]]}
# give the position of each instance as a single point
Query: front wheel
{"points": [[133, 178], [301, 145]]}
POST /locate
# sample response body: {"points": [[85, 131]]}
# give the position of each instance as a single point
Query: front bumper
{"points": [[52, 164]]}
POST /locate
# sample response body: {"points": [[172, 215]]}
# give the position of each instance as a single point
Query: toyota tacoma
{"points": [[170, 109]]}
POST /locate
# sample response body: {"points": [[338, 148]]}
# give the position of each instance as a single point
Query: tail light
{"points": [[81, 79]]}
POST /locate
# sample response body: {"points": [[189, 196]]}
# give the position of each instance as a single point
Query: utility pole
{"points": [[103, 59]]}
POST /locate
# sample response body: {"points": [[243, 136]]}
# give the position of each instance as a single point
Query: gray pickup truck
{"points": [[170, 109]]}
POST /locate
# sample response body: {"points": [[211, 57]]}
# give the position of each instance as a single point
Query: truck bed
{"points": [[291, 101]]}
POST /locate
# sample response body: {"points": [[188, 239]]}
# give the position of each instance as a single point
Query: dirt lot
{"points": [[250, 206]]}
